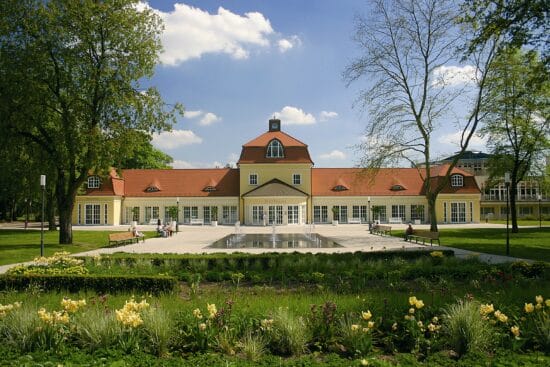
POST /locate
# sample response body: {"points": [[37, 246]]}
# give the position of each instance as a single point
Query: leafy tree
{"points": [[518, 128], [519, 22], [141, 154], [72, 73], [404, 44]]}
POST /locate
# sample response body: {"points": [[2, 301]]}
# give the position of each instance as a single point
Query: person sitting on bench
{"points": [[408, 232]]}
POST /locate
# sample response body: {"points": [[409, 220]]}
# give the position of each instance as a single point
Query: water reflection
{"points": [[274, 241]]}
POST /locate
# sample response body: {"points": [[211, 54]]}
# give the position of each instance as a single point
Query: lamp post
{"points": [[177, 214], [43, 184], [539, 197], [368, 213], [507, 184]]}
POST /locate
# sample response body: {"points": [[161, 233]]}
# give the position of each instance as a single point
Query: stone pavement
{"points": [[353, 237]]}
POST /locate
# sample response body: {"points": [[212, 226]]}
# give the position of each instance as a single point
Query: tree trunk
{"points": [[431, 211], [513, 211], [65, 194], [65, 224]]}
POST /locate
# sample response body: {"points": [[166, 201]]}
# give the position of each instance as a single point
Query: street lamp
{"points": [[539, 197], [507, 184], [43, 184], [177, 214], [368, 213]]}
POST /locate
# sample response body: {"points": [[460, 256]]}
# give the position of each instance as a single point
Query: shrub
{"points": [[253, 346], [288, 334], [465, 328]]}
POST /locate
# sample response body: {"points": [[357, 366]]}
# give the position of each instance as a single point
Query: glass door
{"points": [[292, 214], [458, 212]]}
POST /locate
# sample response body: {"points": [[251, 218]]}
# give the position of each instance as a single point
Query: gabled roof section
{"points": [[441, 170], [294, 150], [468, 154], [112, 185], [275, 187], [284, 138]]}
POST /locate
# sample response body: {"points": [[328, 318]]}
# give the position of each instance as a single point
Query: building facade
{"points": [[275, 183]]}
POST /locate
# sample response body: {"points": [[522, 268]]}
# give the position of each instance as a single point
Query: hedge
{"points": [[97, 283]]}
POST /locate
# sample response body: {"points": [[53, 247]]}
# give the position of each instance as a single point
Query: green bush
{"points": [[96, 283]]}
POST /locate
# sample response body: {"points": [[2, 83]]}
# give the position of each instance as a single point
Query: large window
{"points": [[93, 182], [253, 179], [340, 213], [379, 213], [525, 210], [360, 211], [257, 214], [457, 180], [458, 212], [292, 217], [190, 212], [320, 214], [398, 211], [275, 149], [229, 214], [417, 212], [92, 212], [151, 212], [296, 179]]}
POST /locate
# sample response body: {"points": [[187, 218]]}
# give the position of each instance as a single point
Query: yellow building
{"points": [[274, 183]]}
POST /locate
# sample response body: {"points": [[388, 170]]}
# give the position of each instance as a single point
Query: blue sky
{"points": [[234, 64]]}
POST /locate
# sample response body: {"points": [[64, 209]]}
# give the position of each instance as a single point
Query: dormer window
{"points": [[93, 182], [275, 149], [152, 189], [397, 188], [457, 180], [209, 189], [339, 188]]}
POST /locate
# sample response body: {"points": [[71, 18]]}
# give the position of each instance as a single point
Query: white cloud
{"points": [[335, 154], [453, 75], [476, 142], [182, 164], [192, 114], [191, 32], [175, 138], [327, 115], [209, 118], [294, 116], [286, 44]]}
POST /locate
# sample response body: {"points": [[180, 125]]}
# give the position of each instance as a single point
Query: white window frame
{"points": [[457, 180], [275, 149], [94, 182], [92, 214], [296, 179], [253, 179]]}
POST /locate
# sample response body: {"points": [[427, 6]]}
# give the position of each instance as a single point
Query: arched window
{"points": [[397, 188], [457, 180], [93, 182], [339, 188], [275, 149]]}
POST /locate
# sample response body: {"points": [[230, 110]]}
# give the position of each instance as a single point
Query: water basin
{"points": [[279, 240]]}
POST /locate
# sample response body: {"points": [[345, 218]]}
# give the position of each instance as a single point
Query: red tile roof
{"points": [[294, 150], [181, 182], [359, 183], [111, 185]]}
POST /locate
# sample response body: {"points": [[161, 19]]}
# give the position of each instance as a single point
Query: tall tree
{"points": [[72, 72], [519, 22], [518, 125], [405, 45], [142, 154]]}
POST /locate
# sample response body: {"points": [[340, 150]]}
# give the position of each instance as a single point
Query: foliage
{"points": [[58, 263], [72, 75], [141, 154]]}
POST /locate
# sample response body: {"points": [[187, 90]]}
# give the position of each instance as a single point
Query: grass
{"points": [[528, 243], [24, 245], [523, 222]]}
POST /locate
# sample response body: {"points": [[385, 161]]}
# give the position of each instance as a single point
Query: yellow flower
{"points": [[419, 304], [420, 324], [538, 306], [364, 362], [529, 307], [515, 330], [548, 302], [212, 310], [501, 316], [366, 315], [484, 310], [266, 324], [197, 313], [436, 254], [394, 326], [407, 317], [370, 324], [202, 326], [433, 328], [411, 310], [354, 327], [72, 306], [412, 300], [539, 299], [366, 329], [435, 320]]}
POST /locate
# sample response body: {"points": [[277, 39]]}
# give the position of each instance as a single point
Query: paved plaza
{"points": [[352, 237]]}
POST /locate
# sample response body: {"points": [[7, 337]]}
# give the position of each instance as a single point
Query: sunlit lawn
{"points": [[24, 245], [529, 243]]}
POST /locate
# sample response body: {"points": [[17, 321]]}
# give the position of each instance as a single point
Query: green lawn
{"points": [[24, 245], [522, 222], [529, 243]]}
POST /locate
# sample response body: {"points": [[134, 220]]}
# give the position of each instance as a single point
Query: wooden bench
{"points": [[395, 220], [354, 220], [424, 235], [381, 230], [196, 221], [122, 238]]}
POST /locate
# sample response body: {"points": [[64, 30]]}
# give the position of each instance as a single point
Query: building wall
{"points": [[445, 203], [265, 202], [111, 216]]}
